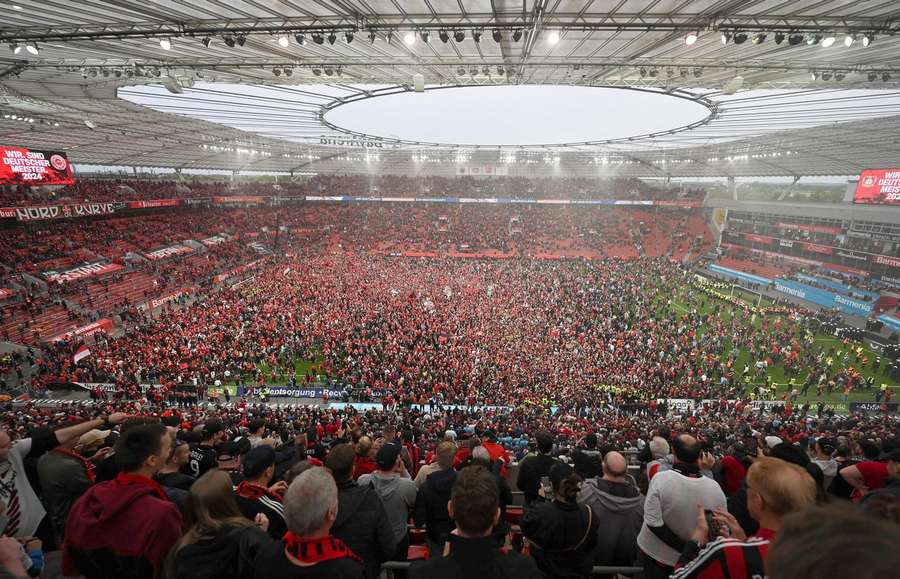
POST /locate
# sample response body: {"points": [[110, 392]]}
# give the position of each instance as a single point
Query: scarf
{"points": [[254, 491], [312, 551], [686, 469], [128, 479], [88, 465]]}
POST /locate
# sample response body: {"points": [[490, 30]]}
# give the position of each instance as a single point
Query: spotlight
{"points": [[372, 37], [779, 37], [669, 72], [872, 76], [813, 39], [390, 36], [459, 35], [445, 38], [425, 36], [643, 72], [691, 38], [329, 71], [498, 36], [795, 39], [759, 38], [485, 71], [740, 37], [93, 73], [340, 71], [828, 41], [229, 41], [15, 48], [165, 44], [848, 40], [500, 71], [317, 72], [885, 76], [553, 38], [682, 72], [105, 73], [867, 39], [300, 39], [129, 73], [288, 71], [318, 38], [276, 71], [461, 71], [517, 35], [207, 41], [283, 41], [241, 39], [118, 73], [826, 75], [409, 38], [726, 37], [348, 37], [332, 38], [698, 73], [473, 70], [32, 48], [476, 35], [653, 72], [839, 76]]}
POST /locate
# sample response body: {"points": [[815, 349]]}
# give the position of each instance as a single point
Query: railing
{"points": [[391, 567]]}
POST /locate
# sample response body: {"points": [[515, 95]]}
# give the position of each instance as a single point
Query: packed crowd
{"points": [[253, 491], [127, 189]]}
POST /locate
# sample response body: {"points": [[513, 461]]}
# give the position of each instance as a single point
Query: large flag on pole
{"points": [[81, 353]]}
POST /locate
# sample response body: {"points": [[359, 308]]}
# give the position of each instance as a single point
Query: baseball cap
{"points": [[92, 436], [387, 456], [228, 450], [258, 460], [212, 428]]}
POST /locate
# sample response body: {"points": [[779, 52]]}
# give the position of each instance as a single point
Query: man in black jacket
{"points": [[471, 553], [431, 501], [362, 523], [534, 467]]}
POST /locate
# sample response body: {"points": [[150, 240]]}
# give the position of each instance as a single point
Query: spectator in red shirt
{"points": [[734, 469]]}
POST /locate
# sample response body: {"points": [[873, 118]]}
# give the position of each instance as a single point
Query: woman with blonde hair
{"points": [[219, 543]]}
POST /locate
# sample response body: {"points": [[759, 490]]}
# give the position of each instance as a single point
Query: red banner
{"points": [[878, 187], [83, 271], [7, 212], [810, 227], [239, 199], [64, 211], [165, 252], [816, 248], [887, 260], [6, 293], [103, 325], [20, 166], [156, 302], [758, 238], [154, 203]]}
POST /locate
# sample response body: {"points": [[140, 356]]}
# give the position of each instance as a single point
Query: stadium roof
{"points": [[91, 53]]}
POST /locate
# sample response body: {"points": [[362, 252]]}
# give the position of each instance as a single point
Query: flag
{"points": [[81, 353]]}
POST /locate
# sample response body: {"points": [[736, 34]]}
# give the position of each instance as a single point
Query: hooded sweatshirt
{"points": [[431, 505], [619, 510], [121, 528], [363, 525], [398, 495], [829, 470], [229, 555]]}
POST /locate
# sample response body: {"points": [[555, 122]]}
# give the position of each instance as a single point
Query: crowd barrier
{"points": [[890, 321], [840, 287], [824, 298], [391, 567]]}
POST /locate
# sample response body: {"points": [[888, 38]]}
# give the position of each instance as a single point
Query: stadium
{"points": [[431, 288]]}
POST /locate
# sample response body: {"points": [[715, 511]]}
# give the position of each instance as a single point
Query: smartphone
{"points": [[715, 528], [545, 484]]}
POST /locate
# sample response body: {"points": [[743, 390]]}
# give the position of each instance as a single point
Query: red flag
{"points": [[81, 353]]}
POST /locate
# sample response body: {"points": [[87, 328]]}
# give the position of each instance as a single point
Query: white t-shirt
{"points": [[672, 500], [12, 477]]}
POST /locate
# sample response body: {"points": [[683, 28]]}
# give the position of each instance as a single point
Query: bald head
{"points": [[614, 466], [686, 449]]}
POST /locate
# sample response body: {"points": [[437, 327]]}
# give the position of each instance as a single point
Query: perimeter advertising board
{"points": [[878, 187]]}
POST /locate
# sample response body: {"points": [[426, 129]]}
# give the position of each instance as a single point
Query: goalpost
{"points": [[758, 295]]}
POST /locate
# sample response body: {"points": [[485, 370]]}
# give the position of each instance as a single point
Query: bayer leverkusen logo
{"points": [[59, 162], [869, 181]]}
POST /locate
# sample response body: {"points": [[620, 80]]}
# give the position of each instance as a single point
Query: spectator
{"points": [[496, 452], [255, 496], [101, 537], [470, 552], [835, 541], [66, 472], [362, 522], [824, 450], [562, 533], [662, 459], [308, 550], [203, 456], [733, 467], [618, 507], [891, 486], [535, 467], [587, 458], [866, 476], [171, 474], [23, 508], [364, 463], [220, 543], [776, 489], [432, 499], [670, 511], [398, 494], [481, 457]]}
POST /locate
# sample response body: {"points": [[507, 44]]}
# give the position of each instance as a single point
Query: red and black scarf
{"points": [[127, 479], [88, 465], [312, 551], [254, 491]]}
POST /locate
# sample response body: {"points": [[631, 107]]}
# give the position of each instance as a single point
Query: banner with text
{"points": [[878, 187], [164, 252], [82, 271], [65, 211], [103, 325], [824, 298], [20, 166]]}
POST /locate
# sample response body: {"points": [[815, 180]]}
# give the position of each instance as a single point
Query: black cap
{"points": [[387, 456], [228, 450], [212, 428], [258, 460]]}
